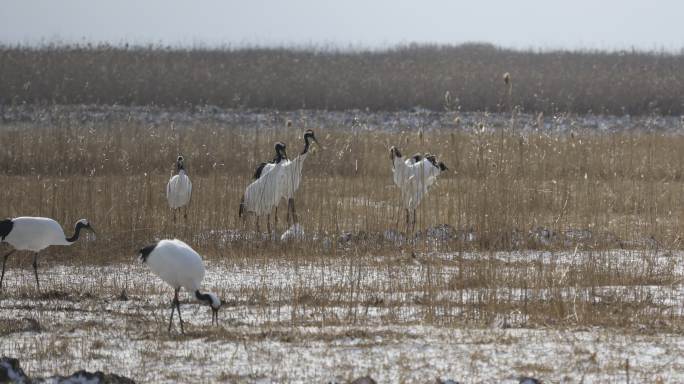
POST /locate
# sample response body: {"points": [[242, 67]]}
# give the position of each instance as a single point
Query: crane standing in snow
{"points": [[179, 189], [180, 267], [35, 234], [263, 194], [293, 176], [414, 176]]}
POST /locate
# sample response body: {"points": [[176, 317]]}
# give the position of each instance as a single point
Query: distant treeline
{"points": [[399, 78]]}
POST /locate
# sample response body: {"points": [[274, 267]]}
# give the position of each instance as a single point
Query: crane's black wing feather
{"points": [[145, 252], [259, 169], [5, 228]]}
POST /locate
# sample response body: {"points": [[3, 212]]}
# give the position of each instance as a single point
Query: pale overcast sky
{"points": [[546, 24]]}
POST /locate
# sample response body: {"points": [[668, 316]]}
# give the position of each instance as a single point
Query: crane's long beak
{"points": [[91, 229], [318, 144]]}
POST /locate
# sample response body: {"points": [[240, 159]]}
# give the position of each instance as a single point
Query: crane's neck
{"points": [[77, 233], [278, 158], [307, 144]]}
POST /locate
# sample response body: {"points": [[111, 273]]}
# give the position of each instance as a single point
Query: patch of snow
{"points": [[295, 232]]}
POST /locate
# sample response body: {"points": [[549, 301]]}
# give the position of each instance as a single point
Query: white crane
{"points": [[293, 176], [414, 176], [179, 266], [263, 194], [35, 234], [179, 189]]}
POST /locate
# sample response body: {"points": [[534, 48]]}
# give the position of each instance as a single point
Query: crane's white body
{"points": [[292, 171], [264, 193], [414, 178], [35, 234], [177, 265], [179, 190]]}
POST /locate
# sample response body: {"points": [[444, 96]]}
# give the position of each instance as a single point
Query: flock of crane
{"points": [[175, 262]]}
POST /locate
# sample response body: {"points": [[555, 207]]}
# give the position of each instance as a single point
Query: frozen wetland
{"points": [[333, 320]]}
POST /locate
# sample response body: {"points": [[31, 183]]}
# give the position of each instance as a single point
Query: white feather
{"points": [[179, 190], [177, 264], [35, 234], [295, 232], [414, 179], [264, 193], [292, 171]]}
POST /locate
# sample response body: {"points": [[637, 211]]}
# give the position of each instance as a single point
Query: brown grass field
{"points": [[550, 248], [502, 184], [610, 202]]}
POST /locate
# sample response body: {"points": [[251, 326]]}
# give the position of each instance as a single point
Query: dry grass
{"points": [[598, 190], [397, 79], [540, 228], [610, 202], [591, 192]]}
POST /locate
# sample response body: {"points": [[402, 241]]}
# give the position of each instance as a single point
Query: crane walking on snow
{"points": [[263, 194], [414, 176], [35, 234], [179, 189], [179, 266]]}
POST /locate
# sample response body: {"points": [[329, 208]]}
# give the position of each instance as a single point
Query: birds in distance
{"points": [[174, 261]]}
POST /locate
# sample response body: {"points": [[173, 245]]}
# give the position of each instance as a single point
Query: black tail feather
{"points": [[5, 228]]}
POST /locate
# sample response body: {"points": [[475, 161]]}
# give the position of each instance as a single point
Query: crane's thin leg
{"points": [[291, 205], [35, 269], [289, 217], [407, 223], [413, 226], [174, 215], [173, 307], [185, 212], [179, 315], [268, 224], [4, 261], [275, 221]]}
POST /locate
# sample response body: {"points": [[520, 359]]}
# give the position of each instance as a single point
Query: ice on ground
{"points": [[350, 120], [304, 321]]}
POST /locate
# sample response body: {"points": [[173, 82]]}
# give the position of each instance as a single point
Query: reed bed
{"points": [[502, 187], [545, 230], [625, 82]]}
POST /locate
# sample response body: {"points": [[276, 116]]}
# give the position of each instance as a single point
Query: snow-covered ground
{"points": [[367, 320], [352, 120]]}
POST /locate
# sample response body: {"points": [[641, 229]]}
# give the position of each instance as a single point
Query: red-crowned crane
{"points": [[179, 189], [293, 176], [179, 266], [263, 194], [35, 234], [414, 176]]}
